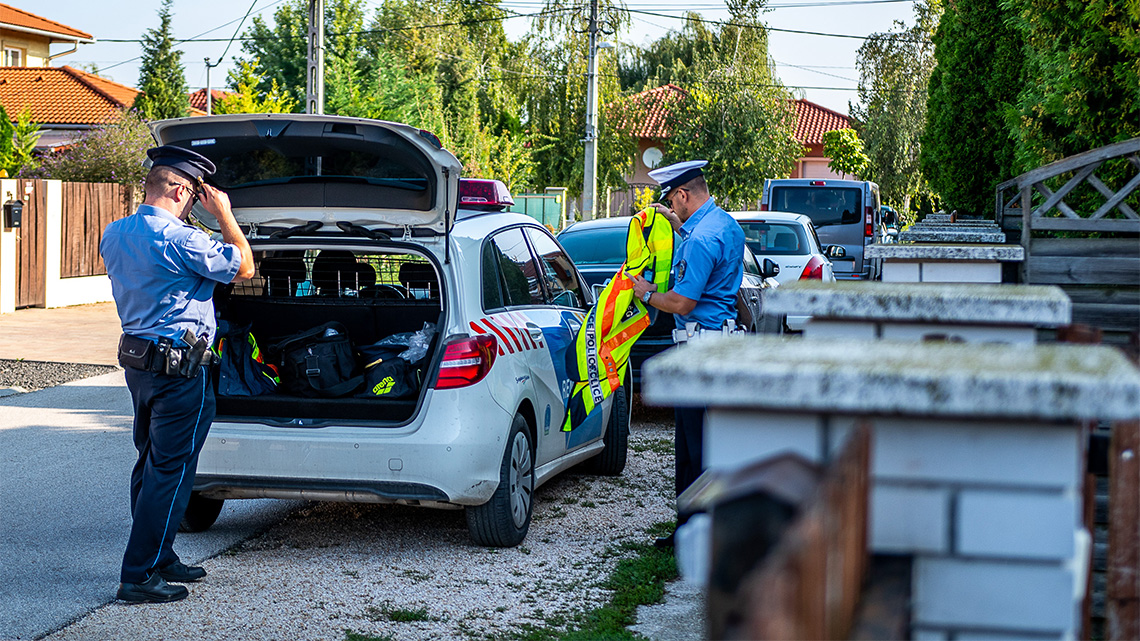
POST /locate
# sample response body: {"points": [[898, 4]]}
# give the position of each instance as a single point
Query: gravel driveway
{"points": [[393, 572]]}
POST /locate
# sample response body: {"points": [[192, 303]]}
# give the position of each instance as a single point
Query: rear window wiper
{"points": [[311, 226], [374, 234]]}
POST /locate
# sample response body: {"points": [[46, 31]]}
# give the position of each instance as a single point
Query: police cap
{"points": [[191, 163], [677, 174]]}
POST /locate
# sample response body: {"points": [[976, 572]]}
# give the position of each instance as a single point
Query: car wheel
{"points": [[504, 520], [611, 461], [201, 512]]}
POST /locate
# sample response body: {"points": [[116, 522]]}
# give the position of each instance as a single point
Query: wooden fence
{"points": [[87, 209], [810, 585], [1094, 256]]}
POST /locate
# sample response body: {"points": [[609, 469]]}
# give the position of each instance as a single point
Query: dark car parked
{"points": [[597, 248]]}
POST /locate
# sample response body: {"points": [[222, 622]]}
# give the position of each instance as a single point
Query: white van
{"points": [[844, 212]]}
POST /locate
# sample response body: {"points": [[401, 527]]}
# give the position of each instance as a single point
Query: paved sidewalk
{"points": [[78, 334]]}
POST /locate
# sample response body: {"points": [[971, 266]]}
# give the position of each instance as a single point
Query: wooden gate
{"points": [[87, 210], [1094, 256], [31, 245]]}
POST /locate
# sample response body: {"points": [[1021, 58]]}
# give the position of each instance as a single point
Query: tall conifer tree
{"points": [[162, 78]]}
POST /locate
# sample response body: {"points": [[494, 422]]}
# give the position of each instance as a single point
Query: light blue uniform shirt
{"points": [[709, 266], [163, 273]]}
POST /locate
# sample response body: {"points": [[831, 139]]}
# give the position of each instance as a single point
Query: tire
{"points": [[201, 513], [504, 520], [611, 460]]}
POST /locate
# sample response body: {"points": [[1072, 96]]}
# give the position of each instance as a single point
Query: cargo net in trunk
{"points": [[330, 274]]}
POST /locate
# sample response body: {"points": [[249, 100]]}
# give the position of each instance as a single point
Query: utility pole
{"points": [[590, 175], [315, 84]]}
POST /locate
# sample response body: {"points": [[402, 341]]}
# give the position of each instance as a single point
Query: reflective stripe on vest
{"points": [[601, 350]]}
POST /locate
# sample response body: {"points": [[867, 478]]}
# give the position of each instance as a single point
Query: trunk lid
{"points": [[285, 170]]}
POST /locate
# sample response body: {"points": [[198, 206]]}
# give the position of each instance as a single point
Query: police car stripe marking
{"points": [[479, 330], [503, 339], [510, 332]]}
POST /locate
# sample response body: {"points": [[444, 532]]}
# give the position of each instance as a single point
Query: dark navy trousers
{"points": [[172, 416], [688, 446]]}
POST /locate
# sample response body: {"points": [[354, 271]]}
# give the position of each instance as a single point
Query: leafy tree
{"points": [[1084, 57], [553, 90], [281, 50], [112, 153], [967, 148], [845, 150], [162, 77], [894, 69], [736, 115], [247, 98]]}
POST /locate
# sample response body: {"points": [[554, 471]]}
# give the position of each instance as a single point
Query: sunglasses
{"points": [[668, 202]]}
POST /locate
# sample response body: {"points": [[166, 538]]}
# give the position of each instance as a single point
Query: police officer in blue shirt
{"points": [[163, 273], [708, 268]]}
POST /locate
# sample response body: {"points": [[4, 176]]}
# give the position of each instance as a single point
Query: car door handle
{"points": [[534, 330]]}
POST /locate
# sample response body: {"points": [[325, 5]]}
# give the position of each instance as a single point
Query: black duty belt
{"points": [[163, 357]]}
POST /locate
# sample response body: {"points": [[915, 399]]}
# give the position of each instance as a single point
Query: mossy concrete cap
{"points": [[988, 304], [988, 252], [1048, 383]]}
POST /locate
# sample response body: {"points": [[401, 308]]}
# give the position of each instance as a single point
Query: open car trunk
{"points": [[374, 293]]}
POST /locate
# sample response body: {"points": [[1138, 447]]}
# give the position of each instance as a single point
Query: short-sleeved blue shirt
{"points": [[163, 273], [709, 266]]}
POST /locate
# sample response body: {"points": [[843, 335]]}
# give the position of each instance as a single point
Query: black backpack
{"points": [[319, 362]]}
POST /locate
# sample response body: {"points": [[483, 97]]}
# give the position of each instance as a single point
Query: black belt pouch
{"points": [[136, 352]]}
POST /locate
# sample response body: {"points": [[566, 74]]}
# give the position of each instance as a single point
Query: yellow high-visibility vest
{"points": [[601, 349]]}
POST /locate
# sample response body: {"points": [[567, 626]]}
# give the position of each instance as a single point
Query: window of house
{"points": [[13, 57]]}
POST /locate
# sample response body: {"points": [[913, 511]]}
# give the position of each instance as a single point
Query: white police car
{"points": [[368, 224]]}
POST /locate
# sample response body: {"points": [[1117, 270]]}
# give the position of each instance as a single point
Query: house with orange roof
{"points": [[64, 101], [26, 39], [652, 129], [198, 99]]}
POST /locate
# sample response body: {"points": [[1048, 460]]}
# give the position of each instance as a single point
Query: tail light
{"points": [[813, 270], [818, 183], [869, 222], [763, 206], [467, 361]]}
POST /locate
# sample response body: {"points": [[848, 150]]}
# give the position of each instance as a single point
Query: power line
{"points": [[694, 18]]}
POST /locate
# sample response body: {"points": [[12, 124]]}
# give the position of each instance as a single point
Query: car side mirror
{"points": [[770, 269], [598, 287], [849, 217], [834, 251]]}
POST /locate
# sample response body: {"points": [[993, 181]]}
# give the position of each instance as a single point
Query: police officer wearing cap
{"points": [[163, 273], [708, 268]]}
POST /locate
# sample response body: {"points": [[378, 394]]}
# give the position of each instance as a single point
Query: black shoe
{"points": [[664, 541], [178, 572], [153, 590]]}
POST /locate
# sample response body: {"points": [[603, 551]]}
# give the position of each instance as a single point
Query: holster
{"points": [[162, 357]]}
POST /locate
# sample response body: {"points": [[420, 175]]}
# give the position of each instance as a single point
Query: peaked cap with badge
{"points": [[191, 163], [677, 174]]}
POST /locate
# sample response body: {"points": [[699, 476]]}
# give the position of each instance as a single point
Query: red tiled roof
{"points": [[198, 98], [812, 121], [11, 16], [62, 95], [648, 111]]}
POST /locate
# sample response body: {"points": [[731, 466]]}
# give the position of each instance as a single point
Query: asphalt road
{"points": [[66, 456]]}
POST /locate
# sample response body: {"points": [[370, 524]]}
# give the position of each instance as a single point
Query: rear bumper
{"points": [[445, 456]]}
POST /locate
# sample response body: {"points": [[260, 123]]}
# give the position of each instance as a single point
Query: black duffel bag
{"points": [[319, 362]]}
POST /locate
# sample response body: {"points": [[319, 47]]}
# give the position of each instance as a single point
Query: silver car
{"points": [[789, 240]]}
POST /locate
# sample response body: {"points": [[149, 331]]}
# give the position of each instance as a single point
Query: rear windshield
{"points": [[318, 168], [599, 246], [775, 239], [824, 205]]}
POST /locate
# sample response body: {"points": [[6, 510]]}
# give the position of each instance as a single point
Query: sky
{"points": [[824, 66]]}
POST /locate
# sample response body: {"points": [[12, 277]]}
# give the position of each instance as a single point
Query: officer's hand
{"points": [[640, 285], [669, 214], [216, 201]]}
